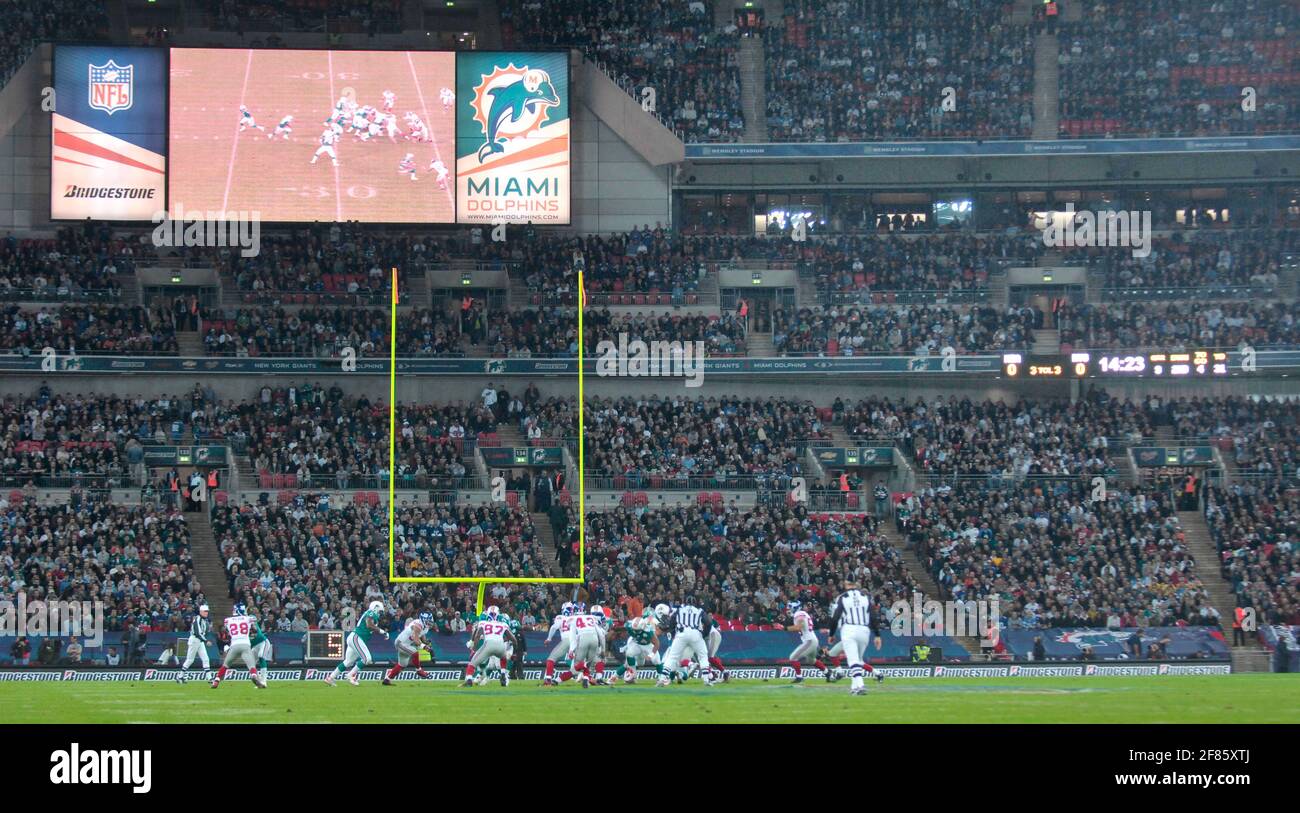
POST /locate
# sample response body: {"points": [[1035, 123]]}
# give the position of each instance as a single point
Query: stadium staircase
{"points": [[1047, 87], [545, 542], [247, 474], [1122, 460], [839, 436], [129, 285], [1252, 657], [929, 588], [999, 291], [510, 436], [416, 292], [518, 296], [760, 345], [841, 439], [1046, 342], [208, 567], [753, 85], [190, 343], [231, 296], [1095, 286], [808, 297]]}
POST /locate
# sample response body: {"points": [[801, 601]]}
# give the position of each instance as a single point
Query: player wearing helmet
{"points": [[356, 653], [240, 627], [496, 665], [642, 644], [589, 646], [563, 627], [408, 644], [518, 651], [807, 650], [489, 640]]}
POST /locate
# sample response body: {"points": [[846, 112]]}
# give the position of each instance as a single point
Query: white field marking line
{"points": [[432, 138], [230, 170], [338, 203]]}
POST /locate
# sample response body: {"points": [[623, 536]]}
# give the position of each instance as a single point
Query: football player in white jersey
{"points": [[416, 130], [437, 166], [809, 647], [496, 663], [563, 627], [448, 98], [241, 628], [489, 639], [390, 98], [408, 644], [589, 646], [327, 141], [284, 128]]}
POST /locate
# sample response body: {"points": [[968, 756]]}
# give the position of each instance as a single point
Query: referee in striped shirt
{"points": [[690, 623], [197, 646], [851, 621]]}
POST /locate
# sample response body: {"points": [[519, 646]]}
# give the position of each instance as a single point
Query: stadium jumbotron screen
{"points": [[302, 136]]}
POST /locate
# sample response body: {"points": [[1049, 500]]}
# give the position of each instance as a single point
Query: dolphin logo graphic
{"points": [[510, 102]]}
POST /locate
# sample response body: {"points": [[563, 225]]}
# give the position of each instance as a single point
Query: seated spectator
{"points": [[664, 442], [27, 24], [722, 335], [1054, 558], [1174, 327], [901, 329], [669, 46], [1178, 69], [1253, 526], [76, 265], [87, 330], [867, 70]]}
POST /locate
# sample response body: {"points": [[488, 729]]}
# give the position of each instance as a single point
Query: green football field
{"points": [[1245, 698]]}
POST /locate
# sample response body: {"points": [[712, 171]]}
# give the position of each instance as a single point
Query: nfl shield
{"points": [[111, 87]]}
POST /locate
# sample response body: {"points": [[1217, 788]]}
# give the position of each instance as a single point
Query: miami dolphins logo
{"points": [[510, 103]]}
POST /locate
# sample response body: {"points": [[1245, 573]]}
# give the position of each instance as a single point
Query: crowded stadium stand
{"points": [[1119, 75], [868, 362]]}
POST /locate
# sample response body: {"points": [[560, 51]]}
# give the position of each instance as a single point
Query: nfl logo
{"points": [[111, 87]]}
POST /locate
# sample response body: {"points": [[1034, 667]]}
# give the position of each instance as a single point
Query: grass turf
{"points": [[1245, 698]]}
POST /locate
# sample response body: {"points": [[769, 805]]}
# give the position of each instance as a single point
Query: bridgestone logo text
{"points": [[130, 192]]}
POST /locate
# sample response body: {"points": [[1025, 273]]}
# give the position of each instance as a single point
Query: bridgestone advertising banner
{"points": [[108, 137], [774, 672]]}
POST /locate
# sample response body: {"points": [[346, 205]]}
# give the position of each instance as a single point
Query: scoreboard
{"points": [[324, 646], [1181, 364]]}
